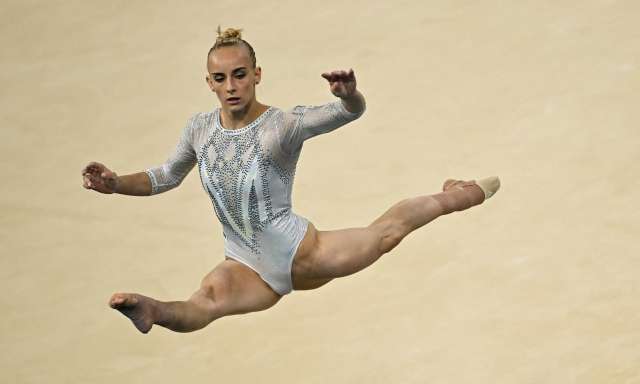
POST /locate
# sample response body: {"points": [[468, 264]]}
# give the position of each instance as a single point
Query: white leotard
{"points": [[248, 174]]}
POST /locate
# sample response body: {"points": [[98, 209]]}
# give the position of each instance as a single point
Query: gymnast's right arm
{"points": [[155, 180]]}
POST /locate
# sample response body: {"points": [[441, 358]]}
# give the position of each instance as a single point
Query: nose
{"points": [[230, 85]]}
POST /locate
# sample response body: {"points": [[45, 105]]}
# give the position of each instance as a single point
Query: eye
{"points": [[240, 75], [218, 78]]}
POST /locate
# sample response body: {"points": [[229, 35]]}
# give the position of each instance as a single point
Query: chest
{"points": [[229, 161]]}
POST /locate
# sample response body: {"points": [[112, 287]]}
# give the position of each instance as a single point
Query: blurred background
{"points": [[540, 284]]}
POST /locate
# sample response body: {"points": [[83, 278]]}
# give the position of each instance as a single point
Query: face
{"points": [[232, 77]]}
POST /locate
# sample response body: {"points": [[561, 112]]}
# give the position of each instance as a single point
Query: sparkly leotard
{"points": [[248, 174]]}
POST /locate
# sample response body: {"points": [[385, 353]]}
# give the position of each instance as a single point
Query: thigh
{"points": [[325, 255], [235, 288]]}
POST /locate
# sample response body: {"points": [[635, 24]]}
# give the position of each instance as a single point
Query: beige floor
{"points": [[540, 285]]}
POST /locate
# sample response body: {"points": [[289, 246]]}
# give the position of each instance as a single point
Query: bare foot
{"points": [[489, 185], [472, 191], [139, 309], [458, 195]]}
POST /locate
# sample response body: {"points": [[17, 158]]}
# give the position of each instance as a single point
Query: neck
{"points": [[240, 118]]}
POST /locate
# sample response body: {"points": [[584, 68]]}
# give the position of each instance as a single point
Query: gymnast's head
{"points": [[232, 72]]}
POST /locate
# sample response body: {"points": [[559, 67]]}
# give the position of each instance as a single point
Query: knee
{"points": [[390, 241], [389, 234], [212, 297]]}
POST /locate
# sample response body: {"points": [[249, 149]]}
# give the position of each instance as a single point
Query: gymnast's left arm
{"points": [[343, 85], [305, 122]]}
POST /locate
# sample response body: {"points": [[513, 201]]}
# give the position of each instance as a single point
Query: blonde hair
{"points": [[231, 37]]}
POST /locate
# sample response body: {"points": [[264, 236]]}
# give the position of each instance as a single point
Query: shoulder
{"points": [[298, 110], [291, 117], [273, 116], [197, 128], [200, 121]]}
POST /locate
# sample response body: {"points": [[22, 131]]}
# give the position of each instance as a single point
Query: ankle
{"points": [[446, 201], [454, 200], [160, 313]]}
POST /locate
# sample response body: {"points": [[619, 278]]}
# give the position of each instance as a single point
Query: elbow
{"points": [[162, 180], [165, 187], [363, 106]]}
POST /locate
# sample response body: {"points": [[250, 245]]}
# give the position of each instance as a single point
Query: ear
{"points": [[209, 82], [258, 75]]}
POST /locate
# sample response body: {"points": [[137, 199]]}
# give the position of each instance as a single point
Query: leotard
{"points": [[248, 174]]}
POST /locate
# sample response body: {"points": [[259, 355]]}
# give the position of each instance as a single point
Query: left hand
{"points": [[341, 83]]}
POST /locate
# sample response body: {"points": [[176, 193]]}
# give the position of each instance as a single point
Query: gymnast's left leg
{"points": [[324, 255]]}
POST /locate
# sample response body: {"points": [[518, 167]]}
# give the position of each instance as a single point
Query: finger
{"points": [[89, 169], [96, 167], [328, 76], [339, 75], [335, 75], [93, 181]]}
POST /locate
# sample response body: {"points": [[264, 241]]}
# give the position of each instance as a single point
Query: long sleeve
{"points": [[170, 174], [305, 122]]}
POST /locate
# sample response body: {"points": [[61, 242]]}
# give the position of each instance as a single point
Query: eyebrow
{"points": [[234, 71]]}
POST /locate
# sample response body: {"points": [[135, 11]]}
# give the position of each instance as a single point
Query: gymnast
{"points": [[246, 153]]}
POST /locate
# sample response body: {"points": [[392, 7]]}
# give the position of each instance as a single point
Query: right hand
{"points": [[99, 178]]}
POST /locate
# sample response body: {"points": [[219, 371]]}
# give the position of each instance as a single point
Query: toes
{"points": [[116, 302], [448, 184], [122, 300], [459, 184]]}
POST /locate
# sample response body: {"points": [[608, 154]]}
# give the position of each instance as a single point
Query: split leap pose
{"points": [[246, 153]]}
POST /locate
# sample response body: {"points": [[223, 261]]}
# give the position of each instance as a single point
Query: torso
{"points": [[248, 174], [249, 180]]}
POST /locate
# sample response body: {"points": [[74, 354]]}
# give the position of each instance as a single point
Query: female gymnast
{"points": [[246, 153]]}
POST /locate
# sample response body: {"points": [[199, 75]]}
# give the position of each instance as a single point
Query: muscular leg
{"points": [[330, 254], [231, 288]]}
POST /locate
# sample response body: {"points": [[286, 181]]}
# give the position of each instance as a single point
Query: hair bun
{"points": [[229, 34], [229, 38]]}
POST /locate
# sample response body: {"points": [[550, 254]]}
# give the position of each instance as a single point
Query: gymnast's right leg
{"points": [[230, 289]]}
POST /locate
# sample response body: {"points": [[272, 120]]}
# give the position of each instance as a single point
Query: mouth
{"points": [[233, 100]]}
